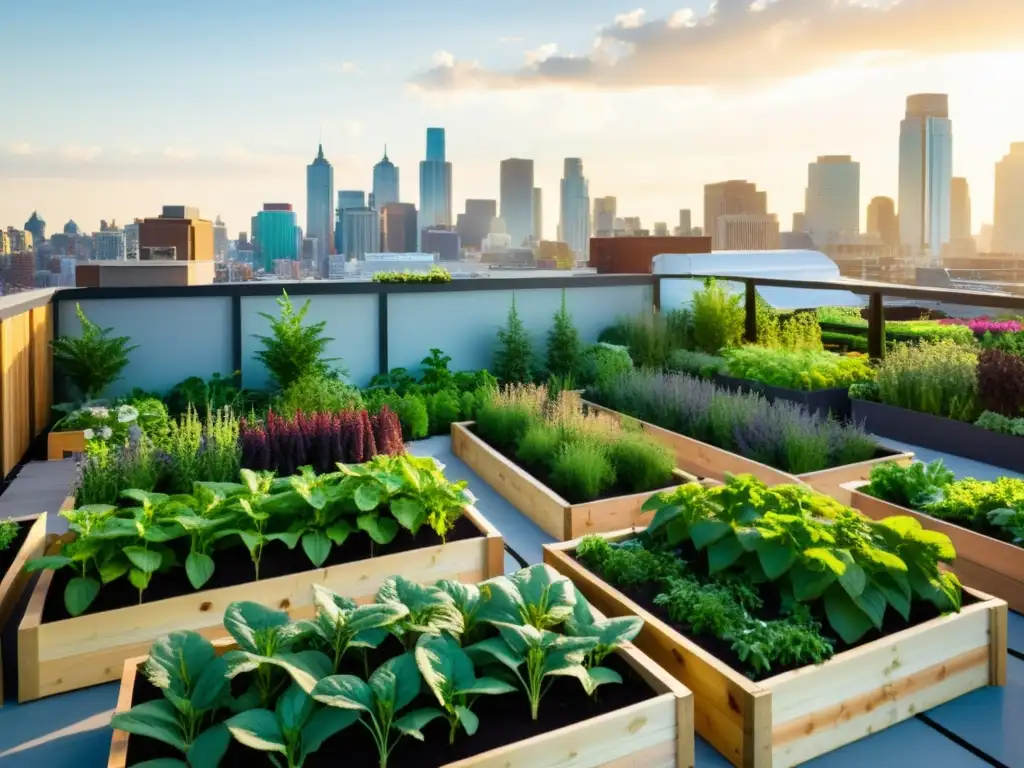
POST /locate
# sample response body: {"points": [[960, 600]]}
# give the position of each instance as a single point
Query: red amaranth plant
{"points": [[1001, 382]]}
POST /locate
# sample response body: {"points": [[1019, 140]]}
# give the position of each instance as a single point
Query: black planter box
{"points": [[821, 402], [939, 434]]}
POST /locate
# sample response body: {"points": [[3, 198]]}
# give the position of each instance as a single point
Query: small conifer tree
{"points": [[513, 360], [565, 350]]}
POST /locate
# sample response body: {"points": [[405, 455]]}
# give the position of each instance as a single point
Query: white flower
{"points": [[99, 412], [127, 413], [89, 434], [106, 432]]}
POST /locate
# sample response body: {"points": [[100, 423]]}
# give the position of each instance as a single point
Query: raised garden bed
{"points": [[820, 402], [643, 718], [982, 562], [958, 438], [30, 542], [64, 445], [58, 653], [547, 509], [795, 716], [707, 461]]}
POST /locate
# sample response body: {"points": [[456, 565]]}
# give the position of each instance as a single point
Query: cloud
{"points": [[739, 42], [341, 67], [19, 148], [80, 153], [510, 40]]}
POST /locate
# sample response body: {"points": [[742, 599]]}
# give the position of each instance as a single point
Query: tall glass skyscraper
{"points": [[574, 224], [278, 234], [319, 196], [435, 183], [385, 183], [347, 199], [926, 174], [832, 204], [517, 200]]}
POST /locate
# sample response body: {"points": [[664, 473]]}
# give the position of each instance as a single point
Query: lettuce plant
{"points": [[340, 624], [538, 596], [469, 600], [609, 633], [194, 683], [206, 518], [449, 674], [379, 702], [430, 610]]}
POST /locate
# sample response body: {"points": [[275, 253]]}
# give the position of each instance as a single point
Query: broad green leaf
{"points": [[79, 594], [603, 676], [724, 553], [293, 708], [810, 584], [164, 762], [199, 568], [317, 547], [243, 619], [375, 615], [381, 529], [495, 648], [488, 685], [396, 681], [852, 579], [444, 665], [212, 686], [368, 496], [548, 597], [331, 603], [344, 692], [257, 729], [409, 513], [251, 539], [469, 721], [324, 723], [113, 569], [844, 616], [178, 659], [872, 601], [339, 532], [413, 723], [208, 750], [707, 532], [289, 538], [146, 560], [749, 538], [52, 562], [304, 667], [153, 719], [776, 559], [897, 592]]}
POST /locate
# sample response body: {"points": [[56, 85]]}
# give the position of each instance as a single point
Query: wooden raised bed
{"points": [[64, 445], [706, 460], [74, 653], [656, 733], [555, 516], [796, 716], [986, 564], [14, 582]]}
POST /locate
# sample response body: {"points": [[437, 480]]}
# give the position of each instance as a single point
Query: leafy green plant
{"points": [[565, 350], [436, 375], [649, 337], [449, 674], [539, 597], [431, 610], [996, 422], [92, 361], [611, 634], [514, 358], [435, 274], [604, 361], [194, 683], [805, 370], [914, 486], [293, 350], [317, 393], [718, 317], [695, 363], [378, 703], [938, 378], [340, 624], [213, 394], [8, 533], [582, 471]]}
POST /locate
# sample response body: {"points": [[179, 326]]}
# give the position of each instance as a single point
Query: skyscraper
{"points": [[882, 221], [746, 232], [347, 198], [361, 230], [475, 224], [37, 227], [685, 223], [385, 183], [538, 214], [435, 183], [279, 234], [605, 209], [959, 210], [398, 228], [319, 196], [832, 207], [729, 198], [517, 200], [574, 225], [1008, 227], [926, 174], [220, 238]]}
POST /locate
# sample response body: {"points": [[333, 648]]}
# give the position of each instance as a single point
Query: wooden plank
{"points": [[15, 386], [998, 636], [41, 320], [86, 650], [16, 580], [119, 739], [64, 445], [831, 481], [992, 566]]}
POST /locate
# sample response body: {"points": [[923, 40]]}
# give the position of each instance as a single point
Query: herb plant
{"points": [[293, 350], [718, 317], [514, 358], [565, 350], [8, 533], [938, 378], [92, 361], [804, 370]]}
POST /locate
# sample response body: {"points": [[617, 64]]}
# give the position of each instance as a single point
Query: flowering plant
{"points": [[100, 423], [986, 325]]}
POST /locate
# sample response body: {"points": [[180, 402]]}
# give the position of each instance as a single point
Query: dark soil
{"points": [[234, 566], [7, 555], [920, 612], [504, 720], [541, 474]]}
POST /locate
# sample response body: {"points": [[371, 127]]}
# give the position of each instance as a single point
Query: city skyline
{"points": [[639, 143]]}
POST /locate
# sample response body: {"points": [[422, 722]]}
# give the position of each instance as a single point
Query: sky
{"points": [[113, 108]]}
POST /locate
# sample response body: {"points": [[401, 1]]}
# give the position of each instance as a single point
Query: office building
{"points": [[959, 209], [444, 243], [109, 244], [475, 224], [832, 207], [221, 242], [800, 222], [398, 228], [517, 200], [361, 230], [746, 232], [574, 224], [279, 234], [131, 239], [926, 175], [605, 209], [883, 222], [179, 227], [661, 229], [5, 243], [385, 183], [319, 197], [435, 183], [1008, 226], [347, 198], [37, 227], [685, 223], [729, 198], [20, 240], [538, 214]]}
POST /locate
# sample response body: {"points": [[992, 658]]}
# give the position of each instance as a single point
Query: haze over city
{"points": [[122, 107]]}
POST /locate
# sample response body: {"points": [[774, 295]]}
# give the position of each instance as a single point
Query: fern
{"points": [[293, 350], [93, 361]]}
